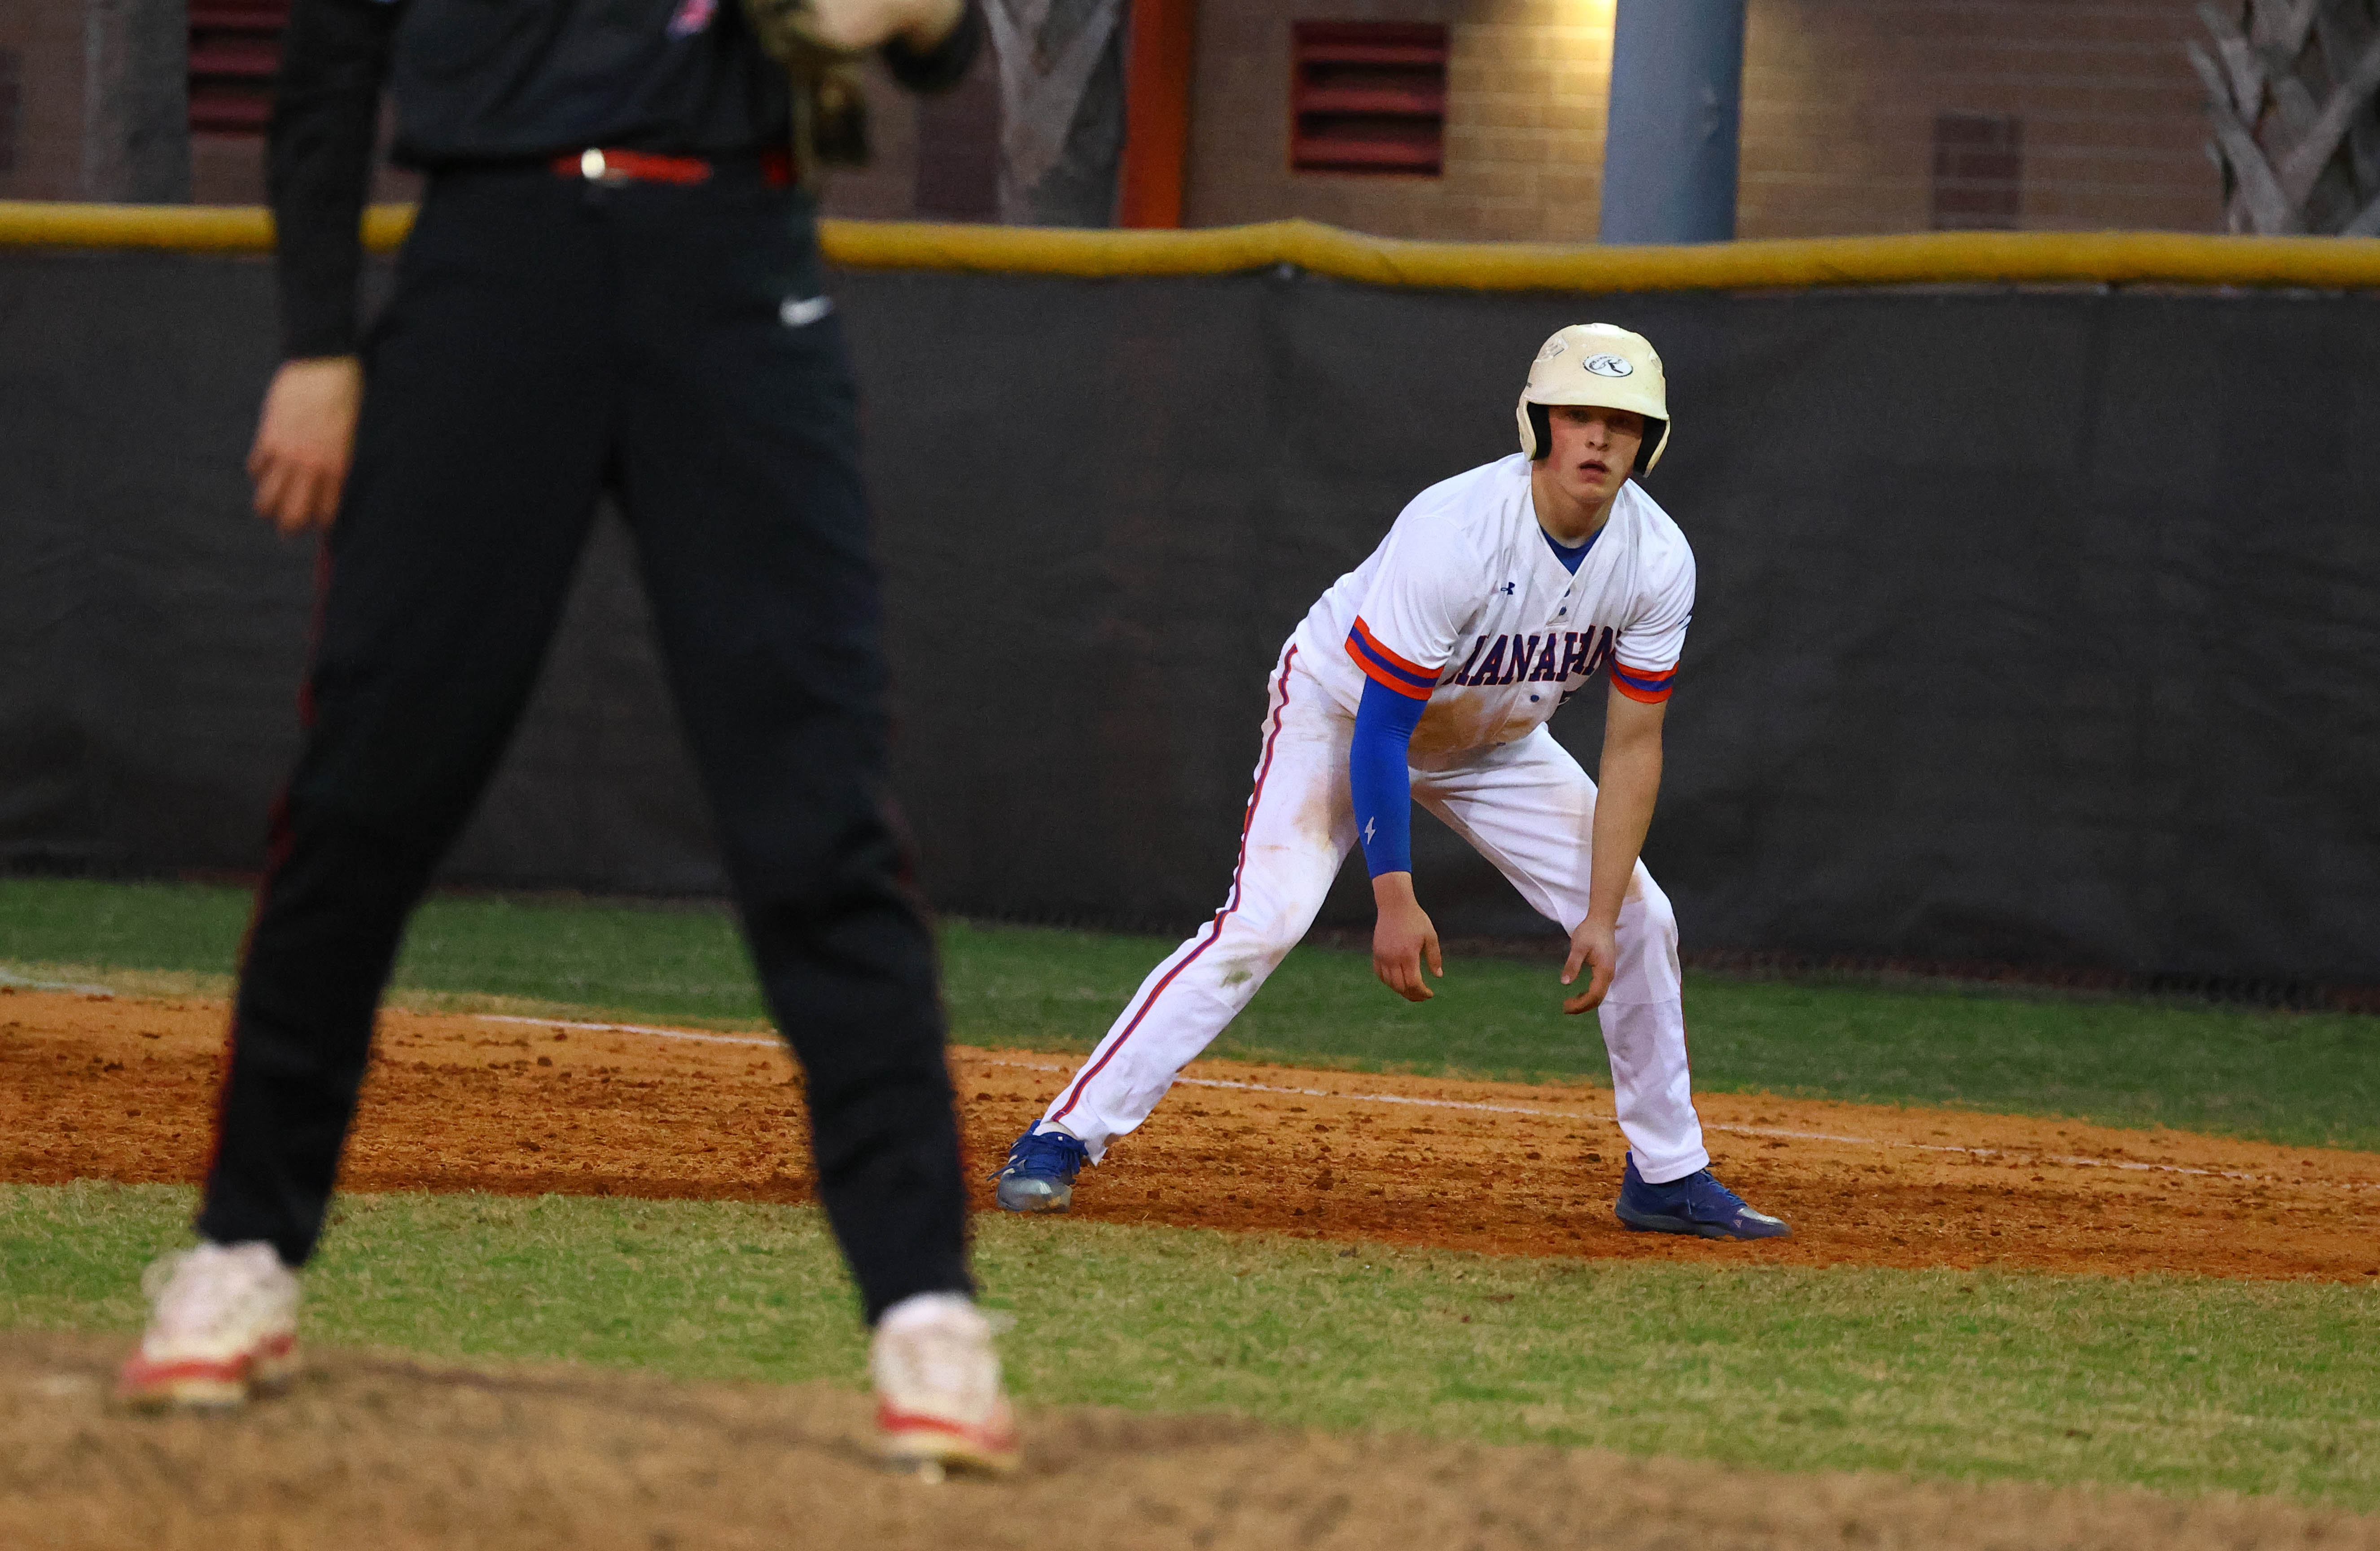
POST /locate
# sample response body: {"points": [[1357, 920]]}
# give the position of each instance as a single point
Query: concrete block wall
{"points": [[1841, 98], [1840, 103], [46, 132], [885, 188], [57, 157], [229, 170], [102, 111], [1525, 86]]}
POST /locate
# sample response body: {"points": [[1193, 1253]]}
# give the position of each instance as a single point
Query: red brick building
{"points": [[1465, 118]]}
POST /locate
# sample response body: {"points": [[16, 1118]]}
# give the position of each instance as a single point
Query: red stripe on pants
{"points": [[1231, 903]]}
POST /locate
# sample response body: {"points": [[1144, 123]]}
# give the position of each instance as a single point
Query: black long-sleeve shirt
{"points": [[479, 81]]}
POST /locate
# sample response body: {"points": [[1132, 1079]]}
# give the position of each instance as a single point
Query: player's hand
{"points": [[856, 25], [1592, 947], [304, 440], [1402, 939]]}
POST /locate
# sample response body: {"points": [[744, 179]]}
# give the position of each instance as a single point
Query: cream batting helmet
{"points": [[1602, 365]]}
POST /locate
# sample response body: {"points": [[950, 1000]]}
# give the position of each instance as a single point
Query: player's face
{"points": [[1594, 449]]}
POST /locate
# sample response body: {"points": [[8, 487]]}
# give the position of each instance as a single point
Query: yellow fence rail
{"points": [[1921, 259]]}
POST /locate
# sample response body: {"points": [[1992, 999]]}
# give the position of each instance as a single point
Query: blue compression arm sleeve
{"points": [[1376, 774]]}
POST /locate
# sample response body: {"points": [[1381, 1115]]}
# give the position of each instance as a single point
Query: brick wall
{"points": [[229, 169], [47, 38], [1841, 103], [882, 189], [1526, 83], [101, 107], [1841, 99]]}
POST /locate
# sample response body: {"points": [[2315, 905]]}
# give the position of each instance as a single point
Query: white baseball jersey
{"points": [[1466, 605]]}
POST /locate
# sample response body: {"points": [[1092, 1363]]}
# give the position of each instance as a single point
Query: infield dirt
{"points": [[122, 1088], [372, 1451]]}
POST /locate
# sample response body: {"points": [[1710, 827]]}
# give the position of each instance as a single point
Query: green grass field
{"points": [[2180, 1386], [2295, 1077], [2183, 1386]]}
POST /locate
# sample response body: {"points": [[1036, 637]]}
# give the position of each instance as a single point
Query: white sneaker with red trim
{"points": [[223, 1327], [938, 1398]]}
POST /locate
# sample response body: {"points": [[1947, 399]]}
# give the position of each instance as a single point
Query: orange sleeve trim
{"points": [[1387, 679], [1415, 669], [1648, 687]]}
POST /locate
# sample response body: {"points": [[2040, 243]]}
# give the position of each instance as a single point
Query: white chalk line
{"points": [[2069, 1161], [632, 1028], [27, 983]]}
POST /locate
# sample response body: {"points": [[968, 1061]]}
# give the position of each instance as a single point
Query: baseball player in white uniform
{"points": [[1428, 674]]}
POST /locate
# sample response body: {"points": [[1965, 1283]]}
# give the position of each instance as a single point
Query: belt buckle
{"points": [[595, 169]]}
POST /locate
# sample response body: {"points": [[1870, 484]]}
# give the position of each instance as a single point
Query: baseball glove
{"points": [[830, 104]]}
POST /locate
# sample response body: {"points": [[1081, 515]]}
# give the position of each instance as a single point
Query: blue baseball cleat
{"points": [[1697, 1205], [1039, 1176]]}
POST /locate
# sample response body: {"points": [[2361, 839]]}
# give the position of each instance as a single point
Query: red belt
{"points": [[643, 166]]}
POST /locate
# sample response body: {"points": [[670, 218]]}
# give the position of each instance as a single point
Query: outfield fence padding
{"points": [[2037, 626]]}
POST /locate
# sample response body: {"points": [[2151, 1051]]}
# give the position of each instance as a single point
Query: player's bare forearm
{"points": [[1629, 784], [1402, 937]]}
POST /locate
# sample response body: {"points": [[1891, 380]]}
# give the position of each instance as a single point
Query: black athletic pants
{"points": [[548, 338]]}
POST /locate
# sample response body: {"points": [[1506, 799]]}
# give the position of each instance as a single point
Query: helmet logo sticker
{"points": [[1609, 366]]}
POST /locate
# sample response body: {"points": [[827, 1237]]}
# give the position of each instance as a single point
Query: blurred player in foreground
{"points": [[1428, 673], [614, 283]]}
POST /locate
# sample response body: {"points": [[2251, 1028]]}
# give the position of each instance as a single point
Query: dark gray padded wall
{"points": [[2039, 628]]}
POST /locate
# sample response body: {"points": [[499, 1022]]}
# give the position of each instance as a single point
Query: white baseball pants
{"points": [[1526, 807]]}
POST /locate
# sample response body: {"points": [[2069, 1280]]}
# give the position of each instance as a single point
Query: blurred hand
{"points": [[1402, 937], [304, 439], [862, 24], [1592, 946]]}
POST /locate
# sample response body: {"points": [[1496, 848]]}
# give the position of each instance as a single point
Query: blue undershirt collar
{"points": [[1570, 556]]}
